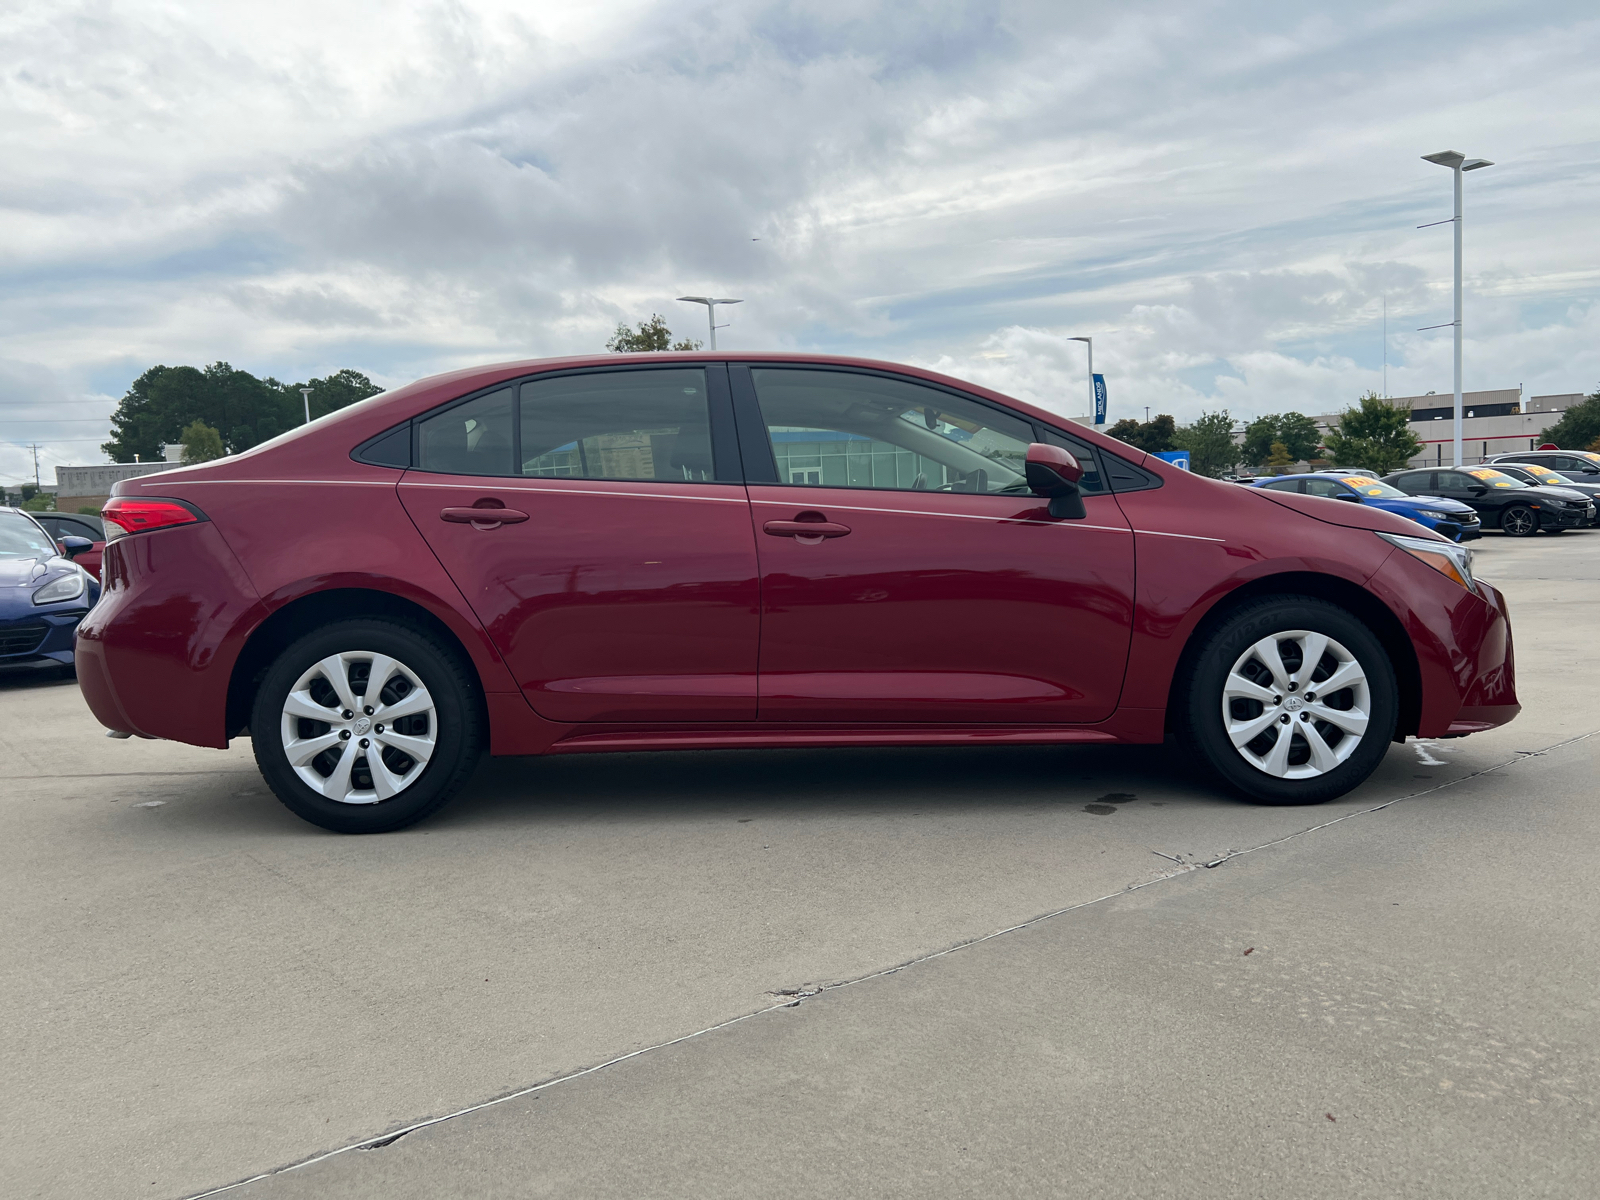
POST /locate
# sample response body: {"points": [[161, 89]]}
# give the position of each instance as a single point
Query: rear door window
{"points": [[1324, 487], [652, 425], [637, 424]]}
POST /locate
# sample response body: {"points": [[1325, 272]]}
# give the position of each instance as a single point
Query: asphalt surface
{"points": [[997, 971]]}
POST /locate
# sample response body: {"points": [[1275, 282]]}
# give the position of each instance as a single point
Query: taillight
{"points": [[138, 514]]}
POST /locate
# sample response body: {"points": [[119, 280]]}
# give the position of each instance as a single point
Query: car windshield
{"points": [[21, 538], [1371, 487], [1545, 474], [1495, 478]]}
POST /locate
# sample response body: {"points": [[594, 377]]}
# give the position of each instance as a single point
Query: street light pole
{"points": [[711, 303], [306, 393], [1458, 164], [1088, 341]]}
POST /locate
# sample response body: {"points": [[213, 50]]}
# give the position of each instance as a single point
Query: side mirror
{"points": [[1591, 470], [73, 546], [1054, 472], [1479, 489], [1350, 496]]}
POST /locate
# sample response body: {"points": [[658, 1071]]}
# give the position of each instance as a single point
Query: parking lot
{"points": [[997, 971]]}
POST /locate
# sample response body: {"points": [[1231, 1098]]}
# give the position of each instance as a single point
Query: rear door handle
{"points": [[485, 517], [808, 530]]}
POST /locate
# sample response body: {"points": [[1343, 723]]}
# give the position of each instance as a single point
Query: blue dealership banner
{"points": [[1178, 458], [1099, 399]]}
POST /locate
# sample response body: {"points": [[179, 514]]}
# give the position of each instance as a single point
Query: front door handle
{"points": [[487, 517], [805, 531]]}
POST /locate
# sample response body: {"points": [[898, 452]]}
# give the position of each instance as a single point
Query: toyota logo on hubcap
{"points": [[363, 725]]}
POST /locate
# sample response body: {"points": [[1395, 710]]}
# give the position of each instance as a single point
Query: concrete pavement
{"points": [[206, 988]]}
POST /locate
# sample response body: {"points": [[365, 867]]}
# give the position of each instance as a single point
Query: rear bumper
{"points": [[154, 658]]}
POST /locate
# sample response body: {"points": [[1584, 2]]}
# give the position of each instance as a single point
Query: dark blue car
{"points": [[1449, 518], [43, 593]]}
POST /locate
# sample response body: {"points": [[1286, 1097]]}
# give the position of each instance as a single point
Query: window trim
{"points": [[719, 415], [756, 445]]}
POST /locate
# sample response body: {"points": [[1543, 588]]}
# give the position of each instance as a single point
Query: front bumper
{"points": [[1463, 646], [1566, 518], [40, 635]]}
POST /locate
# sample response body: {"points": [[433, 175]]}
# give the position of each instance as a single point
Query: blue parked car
{"points": [[1449, 518], [43, 593]]}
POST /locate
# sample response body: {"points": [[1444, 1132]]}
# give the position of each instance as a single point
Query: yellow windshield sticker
{"points": [[1362, 484], [1494, 477]]}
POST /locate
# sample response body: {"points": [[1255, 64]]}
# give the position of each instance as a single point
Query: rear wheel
{"points": [[1519, 521], [366, 726], [1291, 701]]}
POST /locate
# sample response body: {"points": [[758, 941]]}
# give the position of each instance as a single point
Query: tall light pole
{"points": [[1458, 164], [1088, 341], [711, 303], [306, 392]]}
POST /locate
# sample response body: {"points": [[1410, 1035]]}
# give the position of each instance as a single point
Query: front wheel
{"points": [[1519, 521], [1291, 701], [366, 726]]}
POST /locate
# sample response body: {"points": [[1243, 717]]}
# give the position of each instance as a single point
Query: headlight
{"points": [[67, 587], [1437, 516], [1447, 558]]}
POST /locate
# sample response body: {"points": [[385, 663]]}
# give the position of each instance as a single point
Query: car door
{"points": [[613, 562], [907, 573]]}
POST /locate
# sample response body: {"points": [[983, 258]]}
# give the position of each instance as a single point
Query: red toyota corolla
{"points": [[695, 550]]}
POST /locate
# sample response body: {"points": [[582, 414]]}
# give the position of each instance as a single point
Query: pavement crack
{"points": [[791, 997]]}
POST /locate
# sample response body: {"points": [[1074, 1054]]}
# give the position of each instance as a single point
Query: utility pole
{"points": [[1458, 163], [35, 449], [306, 393]]}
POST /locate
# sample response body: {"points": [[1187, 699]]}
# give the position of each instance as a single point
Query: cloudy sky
{"points": [[1224, 194]]}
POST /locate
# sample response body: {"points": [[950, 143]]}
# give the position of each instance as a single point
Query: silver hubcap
{"points": [[1296, 704], [359, 727]]}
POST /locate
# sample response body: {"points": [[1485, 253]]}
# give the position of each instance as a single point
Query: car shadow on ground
{"points": [[22, 676], [826, 782]]}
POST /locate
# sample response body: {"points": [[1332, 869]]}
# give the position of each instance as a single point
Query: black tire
{"points": [[1518, 520], [458, 737], [1199, 720]]}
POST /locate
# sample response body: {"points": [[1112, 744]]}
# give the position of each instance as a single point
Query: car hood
{"points": [[1544, 492], [1342, 512], [1436, 503], [28, 572]]}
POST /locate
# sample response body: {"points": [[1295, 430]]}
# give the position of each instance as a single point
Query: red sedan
{"points": [[693, 550]]}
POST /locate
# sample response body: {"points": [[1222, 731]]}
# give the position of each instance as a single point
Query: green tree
{"points": [[1374, 436], [1150, 436], [1210, 444], [244, 410], [1296, 431], [201, 443], [1280, 459], [651, 335], [1579, 426], [43, 502], [342, 388]]}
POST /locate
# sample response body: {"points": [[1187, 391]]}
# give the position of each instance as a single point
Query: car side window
{"points": [[1455, 481], [845, 429], [1283, 485], [1324, 487], [1417, 481], [618, 425], [468, 439], [62, 527]]}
